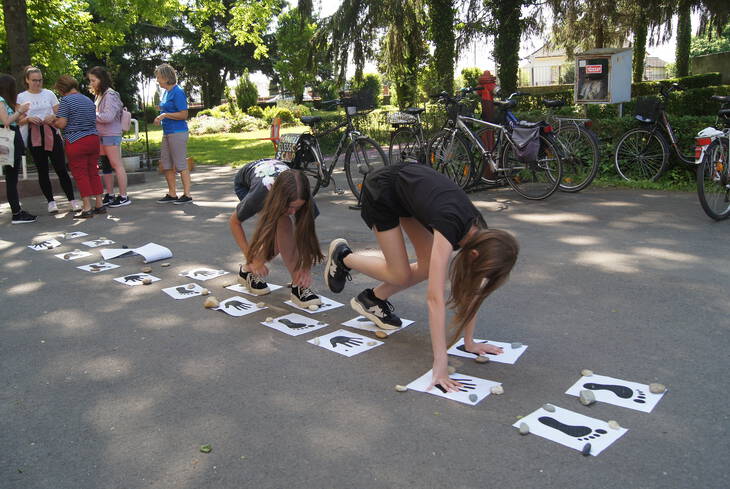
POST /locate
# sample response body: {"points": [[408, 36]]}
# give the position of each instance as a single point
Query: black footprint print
{"points": [[292, 325], [620, 390], [363, 319], [463, 348], [582, 433]]}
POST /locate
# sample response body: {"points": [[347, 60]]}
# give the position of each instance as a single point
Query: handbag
{"points": [[7, 147], [126, 120]]}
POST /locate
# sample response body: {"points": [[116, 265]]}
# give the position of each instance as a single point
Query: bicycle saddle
{"points": [[553, 103], [505, 104], [308, 120], [721, 98], [413, 110]]}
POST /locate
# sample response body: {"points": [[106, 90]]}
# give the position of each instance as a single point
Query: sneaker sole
{"points": [[372, 317], [119, 205], [22, 222], [304, 305], [165, 201], [182, 203], [327, 265]]}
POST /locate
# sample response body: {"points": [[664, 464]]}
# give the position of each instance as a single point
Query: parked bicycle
{"points": [[407, 141], [712, 153], [362, 153]]}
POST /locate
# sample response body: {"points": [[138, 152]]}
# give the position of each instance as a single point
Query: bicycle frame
{"points": [[325, 172], [486, 153]]}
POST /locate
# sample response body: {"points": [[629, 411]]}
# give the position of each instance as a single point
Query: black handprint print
{"points": [[43, 245], [345, 341], [292, 325], [238, 305], [133, 278], [203, 273], [183, 291], [465, 385]]}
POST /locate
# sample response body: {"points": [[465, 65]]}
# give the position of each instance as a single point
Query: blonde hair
{"points": [[167, 73], [28, 71]]}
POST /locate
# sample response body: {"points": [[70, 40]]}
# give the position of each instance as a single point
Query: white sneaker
{"points": [[76, 205], [52, 207]]}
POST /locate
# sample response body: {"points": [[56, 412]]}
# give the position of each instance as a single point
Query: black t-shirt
{"points": [[256, 180]]}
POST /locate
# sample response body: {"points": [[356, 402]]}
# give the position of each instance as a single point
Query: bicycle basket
{"points": [[465, 107], [401, 118], [648, 109], [286, 150], [359, 102]]}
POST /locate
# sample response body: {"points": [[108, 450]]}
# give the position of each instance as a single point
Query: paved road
{"points": [[108, 386]]}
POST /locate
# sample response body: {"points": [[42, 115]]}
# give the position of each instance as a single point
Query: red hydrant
{"points": [[488, 82]]}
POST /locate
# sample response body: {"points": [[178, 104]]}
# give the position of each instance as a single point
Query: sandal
{"points": [[84, 214]]}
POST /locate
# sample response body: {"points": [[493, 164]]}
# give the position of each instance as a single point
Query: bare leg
{"points": [[115, 159], [185, 177], [108, 183], [285, 244], [170, 177]]}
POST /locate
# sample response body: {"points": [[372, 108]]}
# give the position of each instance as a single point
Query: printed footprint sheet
{"points": [[243, 290], [509, 355], [327, 304], [100, 266], [294, 324], [618, 392], [472, 391], [74, 235], [95, 243], [185, 291], [203, 273], [238, 306], [345, 343], [571, 429], [48, 244], [135, 279], [363, 323]]}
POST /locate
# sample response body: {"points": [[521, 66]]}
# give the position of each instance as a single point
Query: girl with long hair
{"points": [[438, 218], [282, 199]]}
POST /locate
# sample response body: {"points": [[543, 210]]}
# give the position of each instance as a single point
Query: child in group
{"points": [[270, 188], [438, 218]]}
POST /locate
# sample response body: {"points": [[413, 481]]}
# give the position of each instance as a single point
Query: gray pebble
{"points": [[586, 449], [586, 373], [401, 388], [482, 359], [164, 264], [497, 390], [657, 388], [473, 397], [548, 407], [516, 345], [524, 428], [587, 397], [614, 425]]}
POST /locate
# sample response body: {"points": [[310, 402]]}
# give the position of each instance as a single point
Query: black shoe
{"points": [[23, 217], [85, 214], [119, 201], [99, 210], [184, 199], [253, 282], [304, 297], [335, 271], [166, 199], [108, 199], [377, 310]]}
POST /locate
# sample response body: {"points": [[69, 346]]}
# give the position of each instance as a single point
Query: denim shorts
{"points": [[111, 140]]}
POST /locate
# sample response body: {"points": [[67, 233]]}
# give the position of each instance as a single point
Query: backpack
{"points": [[126, 120]]}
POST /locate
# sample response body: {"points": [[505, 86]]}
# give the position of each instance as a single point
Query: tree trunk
{"points": [[640, 32], [16, 29], [442, 33], [507, 43], [684, 38]]}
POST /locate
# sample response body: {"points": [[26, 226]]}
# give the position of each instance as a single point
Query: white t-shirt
{"points": [[41, 105]]}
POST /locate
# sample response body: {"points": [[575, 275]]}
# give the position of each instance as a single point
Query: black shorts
{"points": [[379, 204]]}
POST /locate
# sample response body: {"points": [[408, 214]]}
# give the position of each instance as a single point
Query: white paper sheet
{"points": [[74, 235], [185, 291], [98, 242], [345, 343], [295, 324], [618, 392], [48, 244], [571, 429], [150, 252], [509, 355], [243, 290], [238, 306], [73, 255], [203, 273], [135, 279], [471, 386], [363, 323], [327, 304], [98, 267]]}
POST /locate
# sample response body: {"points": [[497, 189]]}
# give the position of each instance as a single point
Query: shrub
{"points": [[246, 123], [255, 111], [208, 125], [247, 94]]}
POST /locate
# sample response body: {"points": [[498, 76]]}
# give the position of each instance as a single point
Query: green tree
{"points": [[293, 37], [443, 37], [247, 95], [371, 84], [709, 43], [684, 38], [510, 25]]}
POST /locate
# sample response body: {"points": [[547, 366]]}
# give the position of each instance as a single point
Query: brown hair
{"points": [[104, 79], [29, 70], [474, 278], [290, 185], [8, 90], [65, 84]]}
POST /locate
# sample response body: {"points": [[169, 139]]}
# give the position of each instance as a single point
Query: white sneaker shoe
{"points": [[52, 207], [76, 206]]}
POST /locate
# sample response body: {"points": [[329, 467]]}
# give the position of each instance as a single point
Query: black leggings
{"points": [[11, 188], [58, 160]]}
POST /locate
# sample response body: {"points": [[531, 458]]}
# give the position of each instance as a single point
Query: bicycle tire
{"points": [[405, 146], [312, 169], [641, 154], [363, 156], [713, 180], [458, 165], [534, 180], [479, 162], [580, 157]]}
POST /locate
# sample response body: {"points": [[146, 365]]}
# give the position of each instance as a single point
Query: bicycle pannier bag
{"points": [[527, 142]]}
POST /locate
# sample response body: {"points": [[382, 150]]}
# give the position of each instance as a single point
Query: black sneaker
{"points": [[23, 217], [184, 199], [253, 282], [166, 199], [108, 199], [377, 310], [99, 210], [304, 297], [335, 271], [119, 201]]}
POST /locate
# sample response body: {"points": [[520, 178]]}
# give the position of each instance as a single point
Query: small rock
{"points": [[146, 269], [549, 408], [613, 424], [190, 286], [204, 291], [482, 359], [260, 304], [587, 397], [371, 343], [313, 307], [166, 264], [657, 388], [401, 388], [206, 449], [210, 302], [381, 335], [586, 373], [146, 281], [269, 320], [586, 450], [451, 370], [524, 429], [516, 345], [315, 341], [473, 397], [497, 390]]}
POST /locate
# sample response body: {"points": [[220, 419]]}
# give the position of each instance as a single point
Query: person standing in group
{"points": [[10, 114], [76, 116], [174, 147], [109, 125], [44, 141]]}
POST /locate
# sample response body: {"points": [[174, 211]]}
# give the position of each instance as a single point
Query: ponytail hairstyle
{"points": [[474, 278], [290, 185], [105, 80]]}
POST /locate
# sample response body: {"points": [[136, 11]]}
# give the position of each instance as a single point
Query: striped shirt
{"points": [[80, 114]]}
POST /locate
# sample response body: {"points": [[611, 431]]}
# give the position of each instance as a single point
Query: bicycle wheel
{"points": [[363, 156], [579, 158], [405, 146], [453, 160], [641, 154], [534, 180], [713, 180], [489, 138]]}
